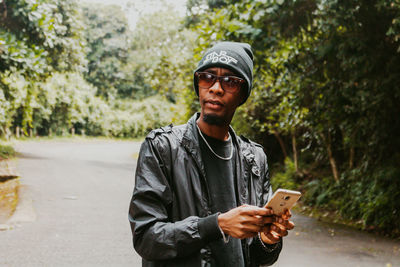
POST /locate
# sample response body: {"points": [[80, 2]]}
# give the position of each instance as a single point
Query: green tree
{"points": [[36, 38], [326, 81], [161, 60], [107, 34]]}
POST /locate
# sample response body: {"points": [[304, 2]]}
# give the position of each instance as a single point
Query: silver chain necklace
{"points": [[218, 156]]}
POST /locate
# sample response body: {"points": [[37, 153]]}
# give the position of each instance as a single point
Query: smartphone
{"points": [[283, 199]]}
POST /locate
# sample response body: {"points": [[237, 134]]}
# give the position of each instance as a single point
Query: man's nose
{"points": [[216, 88]]}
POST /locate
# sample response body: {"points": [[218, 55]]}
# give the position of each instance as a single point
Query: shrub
{"points": [[368, 198], [285, 178], [128, 118], [6, 151]]}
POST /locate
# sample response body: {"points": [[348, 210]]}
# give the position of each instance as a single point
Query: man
{"points": [[200, 190]]}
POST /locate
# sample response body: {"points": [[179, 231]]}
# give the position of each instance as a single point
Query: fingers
{"points": [[274, 233], [261, 220], [272, 237], [283, 220], [254, 210], [253, 228], [287, 214], [288, 225], [278, 230], [281, 225], [247, 221], [256, 223], [248, 230]]}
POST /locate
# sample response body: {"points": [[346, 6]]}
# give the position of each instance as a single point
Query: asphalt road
{"points": [[73, 212]]}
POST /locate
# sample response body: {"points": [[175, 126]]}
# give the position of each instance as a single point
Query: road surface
{"points": [[74, 204]]}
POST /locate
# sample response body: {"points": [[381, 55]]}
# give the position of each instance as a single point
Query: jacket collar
{"points": [[190, 141]]}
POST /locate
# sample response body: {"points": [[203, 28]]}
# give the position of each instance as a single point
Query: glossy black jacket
{"points": [[171, 195]]}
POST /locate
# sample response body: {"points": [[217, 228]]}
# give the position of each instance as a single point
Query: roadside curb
{"points": [[16, 203], [8, 169], [9, 185], [24, 211]]}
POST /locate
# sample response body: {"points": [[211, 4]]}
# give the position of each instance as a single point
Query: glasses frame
{"points": [[218, 78]]}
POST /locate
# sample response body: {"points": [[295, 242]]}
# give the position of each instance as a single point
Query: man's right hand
{"points": [[245, 221]]}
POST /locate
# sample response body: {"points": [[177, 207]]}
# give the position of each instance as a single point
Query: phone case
{"points": [[283, 199]]}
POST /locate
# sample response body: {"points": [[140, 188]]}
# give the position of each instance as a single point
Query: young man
{"points": [[200, 190]]}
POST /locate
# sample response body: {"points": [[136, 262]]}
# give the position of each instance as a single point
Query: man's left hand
{"points": [[278, 229]]}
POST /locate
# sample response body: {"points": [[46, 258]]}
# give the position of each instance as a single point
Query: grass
{"points": [[7, 151]]}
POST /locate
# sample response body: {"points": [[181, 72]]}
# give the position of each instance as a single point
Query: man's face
{"points": [[217, 105]]}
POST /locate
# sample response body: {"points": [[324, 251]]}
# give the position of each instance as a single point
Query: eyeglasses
{"points": [[230, 84]]}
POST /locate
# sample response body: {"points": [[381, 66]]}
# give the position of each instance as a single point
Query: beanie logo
{"points": [[222, 57]]}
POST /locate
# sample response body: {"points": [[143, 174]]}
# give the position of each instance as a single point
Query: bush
{"points": [[371, 199], [285, 178], [128, 118], [66, 100], [6, 151]]}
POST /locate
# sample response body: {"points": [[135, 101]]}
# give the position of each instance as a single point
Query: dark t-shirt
{"points": [[220, 175]]}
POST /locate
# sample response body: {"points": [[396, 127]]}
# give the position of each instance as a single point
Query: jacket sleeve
{"points": [[155, 236], [261, 253]]}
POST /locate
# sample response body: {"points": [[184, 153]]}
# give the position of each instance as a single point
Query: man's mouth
{"points": [[214, 103]]}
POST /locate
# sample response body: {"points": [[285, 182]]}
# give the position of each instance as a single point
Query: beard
{"points": [[213, 119]]}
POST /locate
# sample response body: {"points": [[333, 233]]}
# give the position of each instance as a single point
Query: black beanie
{"points": [[235, 56]]}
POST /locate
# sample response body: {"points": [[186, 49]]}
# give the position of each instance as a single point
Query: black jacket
{"points": [[170, 213]]}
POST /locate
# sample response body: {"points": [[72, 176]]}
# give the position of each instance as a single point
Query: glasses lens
{"points": [[228, 83], [231, 84], [206, 80]]}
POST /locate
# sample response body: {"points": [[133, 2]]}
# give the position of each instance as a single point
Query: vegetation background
{"points": [[325, 102]]}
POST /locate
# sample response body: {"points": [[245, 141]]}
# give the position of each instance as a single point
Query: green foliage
{"points": [[326, 85], [154, 58], [162, 59], [314, 72], [65, 100], [371, 199], [286, 178], [45, 88], [36, 39], [136, 118], [68, 101], [7, 151], [163, 54], [108, 40], [39, 36]]}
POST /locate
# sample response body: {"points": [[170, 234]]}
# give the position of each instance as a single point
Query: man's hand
{"points": [[278, 229], [245, 221]]}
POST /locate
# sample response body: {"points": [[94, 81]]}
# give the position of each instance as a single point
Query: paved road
{"points": [[73, 212]]}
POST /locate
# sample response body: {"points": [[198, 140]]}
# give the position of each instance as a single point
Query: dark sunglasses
{"points": [[230, 84]]}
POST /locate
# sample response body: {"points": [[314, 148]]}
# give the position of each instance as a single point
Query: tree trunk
{"points": [[294, 147], [7, 133], [351, 158], [278, 137], [332, 160]]}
